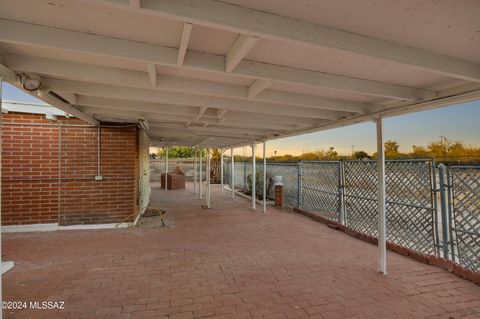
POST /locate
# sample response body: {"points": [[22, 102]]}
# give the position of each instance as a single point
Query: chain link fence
{"points": [[410, 199], [346, 192], [464, 206], [243, 173], [320, 188]]}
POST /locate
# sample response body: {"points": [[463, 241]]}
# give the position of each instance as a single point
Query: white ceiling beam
{"points": [[73, 41], [221, 113], [202, 141], [309, 78], [199, 132], [118, 104], [134, 115], [44, 95], [252, 125], [69, 97], [271, 118], [277, 121], [66, 107], [201, 111], [144, 95], [152, 74], [242, 45], [182, 49], [129, 78], [212, 129], [234, 18], [257, 87]]}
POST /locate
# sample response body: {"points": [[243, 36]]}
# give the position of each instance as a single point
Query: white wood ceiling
{"points": [[223, 73]]}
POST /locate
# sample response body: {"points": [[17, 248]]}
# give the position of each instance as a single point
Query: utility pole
{"points": [[443, 140]]}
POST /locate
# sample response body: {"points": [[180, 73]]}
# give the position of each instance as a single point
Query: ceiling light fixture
{"points": [[30, 82]]}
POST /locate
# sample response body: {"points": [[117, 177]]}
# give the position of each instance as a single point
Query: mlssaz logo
{"points": [[47, 305]]}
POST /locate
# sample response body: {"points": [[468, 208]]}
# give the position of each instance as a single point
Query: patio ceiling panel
{"points": [[136, 79], [244, 20], [223, 73], [145, 95]]}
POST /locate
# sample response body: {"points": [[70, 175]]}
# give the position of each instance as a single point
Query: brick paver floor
{"points": [[226, 262]]}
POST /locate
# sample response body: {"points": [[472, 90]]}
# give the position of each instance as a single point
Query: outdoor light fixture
{"points": [[30, 82], [143, 124]]}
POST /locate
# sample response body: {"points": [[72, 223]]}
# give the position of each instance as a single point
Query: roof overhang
{"points": [[228, 73]]}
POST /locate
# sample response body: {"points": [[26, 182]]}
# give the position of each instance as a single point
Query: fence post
{"points": [[435, 190], [221, 168], [450, 216], [341, 193], [245, 177], [444, 209], [299, 184]]}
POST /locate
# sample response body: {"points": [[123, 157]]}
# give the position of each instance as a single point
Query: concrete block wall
{"points": [[157, 167], [48, 172]]}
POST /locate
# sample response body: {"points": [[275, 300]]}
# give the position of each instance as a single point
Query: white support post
{"points": [[253, 176], [382, 248], [195, 171], [265, 176], [200, 182], [232, 172], [221, 168], [209, 162], [166, 168]]}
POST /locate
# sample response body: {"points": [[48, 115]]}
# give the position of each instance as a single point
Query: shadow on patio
{"points": [[226, 262]]}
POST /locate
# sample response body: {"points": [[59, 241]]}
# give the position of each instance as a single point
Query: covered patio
{"points": [[226, 74], [226, 262]]}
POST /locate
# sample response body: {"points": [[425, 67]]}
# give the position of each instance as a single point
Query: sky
{"points": [[458, 122]]}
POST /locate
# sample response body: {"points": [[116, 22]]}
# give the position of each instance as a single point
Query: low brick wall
{"points": [[48, 172], [426, 259]]}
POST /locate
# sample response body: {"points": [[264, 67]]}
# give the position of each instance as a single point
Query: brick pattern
{"points": [[223, 263], [426, 259], [48, 172]]}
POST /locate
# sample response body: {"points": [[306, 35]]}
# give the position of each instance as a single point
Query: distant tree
{"points": [[420, 151], [448, 151], [332, 154], [309, 156], [361, 155], [391, 150], [283, 158], [178, 152], [391, 146]]}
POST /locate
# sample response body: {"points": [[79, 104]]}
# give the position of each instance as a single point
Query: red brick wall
{"points": [[48, 172]]}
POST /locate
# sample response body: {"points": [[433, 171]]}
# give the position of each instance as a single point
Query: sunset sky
{"points": [[459, 122]]}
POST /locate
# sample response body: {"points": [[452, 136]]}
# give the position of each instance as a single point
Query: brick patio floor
{"points": [[227, 262]]}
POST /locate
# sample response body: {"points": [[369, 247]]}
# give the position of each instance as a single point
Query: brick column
{"points": [[279, 195]]}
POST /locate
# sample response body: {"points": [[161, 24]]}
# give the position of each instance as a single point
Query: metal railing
{"points": [[462, 193], [434, 212]]}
